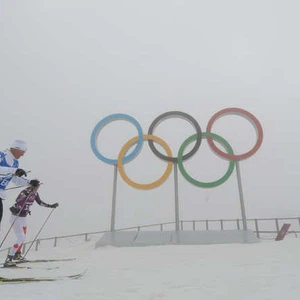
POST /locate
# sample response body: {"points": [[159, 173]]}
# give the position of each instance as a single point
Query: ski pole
{"points": [[17, 216], [12, 174], [17, 187], [39, 232]]}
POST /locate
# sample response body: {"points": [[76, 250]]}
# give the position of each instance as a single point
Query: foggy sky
{"points": [[65, 65]]}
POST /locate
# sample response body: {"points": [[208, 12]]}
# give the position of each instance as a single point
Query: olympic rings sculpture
{"points": [[211, 138]]}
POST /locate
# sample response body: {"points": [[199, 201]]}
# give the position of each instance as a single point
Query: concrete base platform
{"points": [[155, 238]]}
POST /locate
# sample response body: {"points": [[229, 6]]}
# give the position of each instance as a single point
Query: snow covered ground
{"points": [[267, 270]]}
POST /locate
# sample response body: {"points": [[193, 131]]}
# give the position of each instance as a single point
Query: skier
{"points": [[9, 169], [18, 218]]}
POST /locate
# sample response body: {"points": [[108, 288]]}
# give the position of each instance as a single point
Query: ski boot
{"points": [[19, 258], [9, 263]]}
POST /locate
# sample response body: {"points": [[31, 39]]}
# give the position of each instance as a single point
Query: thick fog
{"points": [[65, 65]]}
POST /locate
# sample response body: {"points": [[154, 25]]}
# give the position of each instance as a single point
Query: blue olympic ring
{"points": [[107, 120]]}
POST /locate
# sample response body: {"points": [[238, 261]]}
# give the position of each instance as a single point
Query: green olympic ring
{"points": [[212, 184]]}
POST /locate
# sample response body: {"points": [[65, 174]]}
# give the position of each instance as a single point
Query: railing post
{"points": [[238, 224], [55, 241], [24, 248], [256, 228], [277, 225], [221, 222], [86, 237], [181, 225], [194, 225], [139, 228], [37, 245], [206, 223], [161, 227]]}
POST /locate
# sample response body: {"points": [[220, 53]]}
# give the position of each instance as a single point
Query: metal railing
{"points": [[218, 224]]}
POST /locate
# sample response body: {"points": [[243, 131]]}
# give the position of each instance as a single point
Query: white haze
{"points": [[65, 65]]}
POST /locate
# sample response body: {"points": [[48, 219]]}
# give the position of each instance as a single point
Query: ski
{"points": [[23, 280], [39, 279], [28, 267], [43, 260], [39, 261]]}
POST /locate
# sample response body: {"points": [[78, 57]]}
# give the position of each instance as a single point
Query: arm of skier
{"points": [[41, 203], [20, 181], [7, 171]]}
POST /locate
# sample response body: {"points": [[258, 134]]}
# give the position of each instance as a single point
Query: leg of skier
{"points": [[18, 256], [18, 226]]}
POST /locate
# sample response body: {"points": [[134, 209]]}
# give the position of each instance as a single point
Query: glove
{"points": [[20, 173], [34, 182], [53, 205], [14, 210]]}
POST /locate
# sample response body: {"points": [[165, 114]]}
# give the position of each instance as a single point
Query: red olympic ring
{"points": [[242, 113]]}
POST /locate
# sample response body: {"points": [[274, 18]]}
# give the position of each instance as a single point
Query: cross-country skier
{"points": [[9, 169], [19, 212]]}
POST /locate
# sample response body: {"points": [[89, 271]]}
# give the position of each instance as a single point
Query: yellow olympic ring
{"points": [[154, 184]]}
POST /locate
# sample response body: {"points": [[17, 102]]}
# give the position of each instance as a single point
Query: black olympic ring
{"points": [[168, 115]]}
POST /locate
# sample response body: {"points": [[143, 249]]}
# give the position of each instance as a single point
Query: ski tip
{"points": [[78, 275]]}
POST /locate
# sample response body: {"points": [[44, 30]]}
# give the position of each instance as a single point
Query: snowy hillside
{"points": [[268, 270]]}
